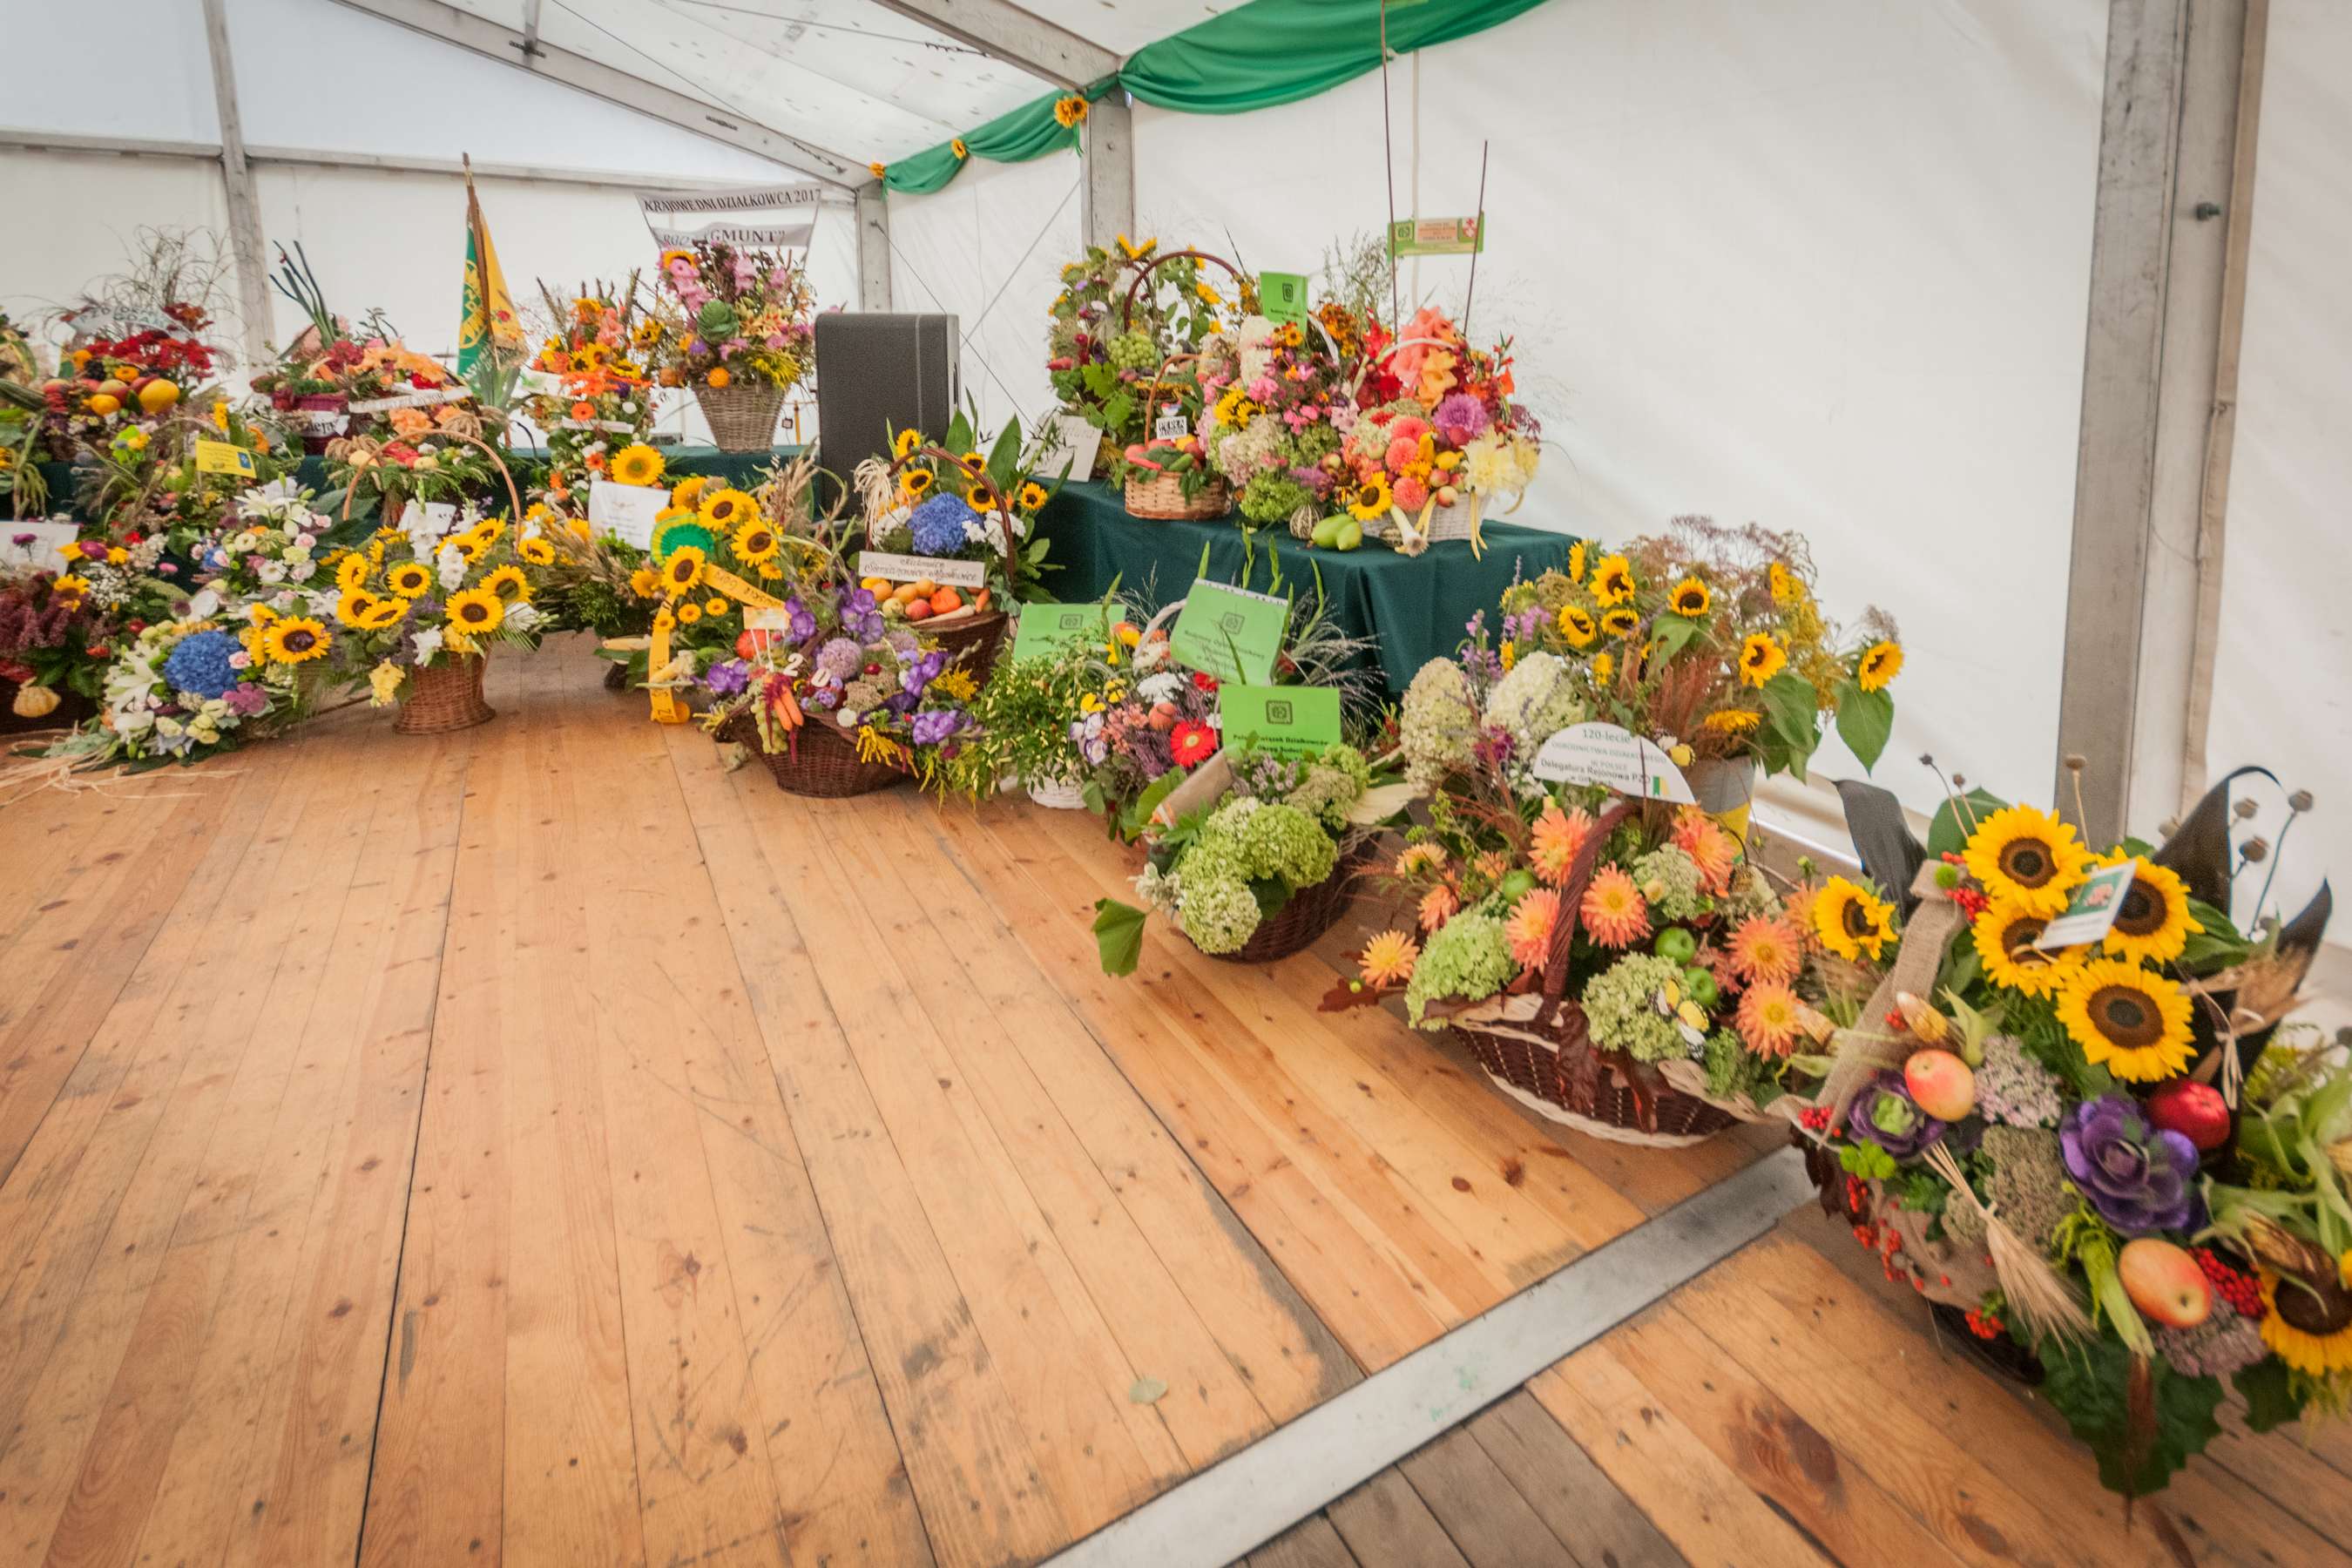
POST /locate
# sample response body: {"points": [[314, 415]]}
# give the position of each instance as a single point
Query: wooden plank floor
{"points": [[541, 1143]]}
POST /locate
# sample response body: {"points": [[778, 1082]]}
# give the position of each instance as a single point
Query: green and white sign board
{"points": [[1230, 633], [1288, 721]]}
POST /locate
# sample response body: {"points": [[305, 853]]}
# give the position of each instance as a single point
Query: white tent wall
{"points": [[2282, 680], [990, 248], [1821, 266], [45, 263]]}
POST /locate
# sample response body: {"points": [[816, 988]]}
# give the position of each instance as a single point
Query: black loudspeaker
{"points": [[877, 373]]}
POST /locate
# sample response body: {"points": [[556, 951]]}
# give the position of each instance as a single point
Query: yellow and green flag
{"points": [[488, 320]]}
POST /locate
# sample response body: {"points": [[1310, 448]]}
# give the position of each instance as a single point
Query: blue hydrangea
{"points": [[199, 664], [940, 525]]}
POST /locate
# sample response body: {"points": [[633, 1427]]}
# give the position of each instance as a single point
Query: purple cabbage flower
{"points": [[2140, 1178], [1460, 418], [1886, 1114]]}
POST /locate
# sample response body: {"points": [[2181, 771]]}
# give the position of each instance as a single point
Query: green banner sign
{"points": [[1231, 633], [1288, 721], [1046, 629]]}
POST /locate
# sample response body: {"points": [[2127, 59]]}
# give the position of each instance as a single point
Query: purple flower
{"points": [[799, 624], [1886, 1114], [1460, 418], [839, 658], [931, 728], [859, 617], [22, 539], [2139, 1177], [246, 699], [727, 677], [919, 674]]}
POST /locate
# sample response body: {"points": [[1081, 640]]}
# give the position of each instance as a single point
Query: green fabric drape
{"points": [[1256, 56]]}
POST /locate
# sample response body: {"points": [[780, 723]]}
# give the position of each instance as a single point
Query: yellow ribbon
{"points": [[667, 708]]}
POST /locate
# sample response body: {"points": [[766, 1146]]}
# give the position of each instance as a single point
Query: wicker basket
{"points": [[332, 409], [820, 760], [445, 696], [741, 414], [974, 641], [1303, 918], [1161, 499]]}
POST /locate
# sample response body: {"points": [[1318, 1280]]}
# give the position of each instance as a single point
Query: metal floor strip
{"points": [[1250, 1496]]}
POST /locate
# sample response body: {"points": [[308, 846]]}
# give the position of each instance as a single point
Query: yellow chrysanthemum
{"points": [[1612, 580], [538, 552], [509, 585], [1690, 598], [2004, 936], [296, 639], [636, 464], [476, 611], [1881, 663], [2029, 855], [2300, 1327], [727, 508], [2154, 924], [2132, 1021], [1851, 920], [1389, 959], [1760, 658], [684, 568]]}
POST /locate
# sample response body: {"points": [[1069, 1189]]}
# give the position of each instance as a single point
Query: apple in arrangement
{"points": [[2195, 1111], [2164, 1282]]}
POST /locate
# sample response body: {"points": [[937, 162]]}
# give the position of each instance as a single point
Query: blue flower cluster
{"points": [[940, 525], [199, 664]]}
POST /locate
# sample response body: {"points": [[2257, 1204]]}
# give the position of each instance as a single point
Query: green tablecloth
{"points": [[1414, 607], [681, 462]]}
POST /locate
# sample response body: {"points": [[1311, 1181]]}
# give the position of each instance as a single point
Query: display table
{"points": [[1414, 607], [738, 468]]}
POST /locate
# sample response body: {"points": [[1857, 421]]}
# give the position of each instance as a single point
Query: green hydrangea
{"points": [[1331, 785], [1535, 699], [1730, 1067], [1285, 844], [1620, 1012], [1468, 959], [1670, 870], [1437, 723], [1219, 913]]}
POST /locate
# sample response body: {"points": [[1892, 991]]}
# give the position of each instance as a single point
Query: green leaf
{"points": [[959, 437], [1864, 720], [1947, 831], [1100, 379], [1792, 710], [2090, 1385], [2269, 1391], [1117, 409], [1672, 634], [1119, 935], [1004, 458]]}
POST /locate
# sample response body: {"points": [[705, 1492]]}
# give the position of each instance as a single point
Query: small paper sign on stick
{"points": [[422, 397], [1230, 633], [1615, 758], [1282, 298], [1288, 721], [952, 572], [224, 458], [1081, 440], [2089, 910], [627, 512], [1047, 629], [1171, 424]]}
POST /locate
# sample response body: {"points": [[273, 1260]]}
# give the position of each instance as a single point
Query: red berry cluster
{"points": [[1814, 1118], [1969, 897], [2240, 1290], [1985, 1325]]}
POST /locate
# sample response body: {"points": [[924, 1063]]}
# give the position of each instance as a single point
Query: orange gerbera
{"points": [[1559, 835], [1529, 929], [1437, 906], [1709, 844], [1389, 958], [583, 410], [1767, 950], [1419, 857], [1613, 912], [1768, 1019]]}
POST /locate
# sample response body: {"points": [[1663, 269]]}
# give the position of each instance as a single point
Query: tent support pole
{"points": [[244, 207], [1107, 146], [873, 248], [1016, 37], [2160, 313]]}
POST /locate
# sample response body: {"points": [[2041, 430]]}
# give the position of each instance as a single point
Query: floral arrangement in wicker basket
{"points": [[590, 388], [1124, 309], [417, 614], [2088, 1150], [736, 331]]}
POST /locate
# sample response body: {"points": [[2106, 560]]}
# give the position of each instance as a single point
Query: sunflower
{"points": [[1690, 599], [904, 444], [468, 549], [915, 483], [1787, 588], [755, 542], [297, 639], [687, 614], [2309, 1330], [636, 464], [1760, 658], [1069, 110], [686, 494], [2004, 937], [538, 552], [1852, 921], [727, 508], [1577, 625], [354, 607], [683, 570], [979, 497], [1612, 580], [2026, 854], [2132, 1021], [1576, 562], [1623, 621], [2154, 924], [476, 611], [1613, 910], [714, 605], [957, 147], [1369, 500], [383, 613], [1732, 720], [1603, 666], [352, 572], [509, 585], [1032, 496], [1389, 958], [645, 582], [1881, 663]]}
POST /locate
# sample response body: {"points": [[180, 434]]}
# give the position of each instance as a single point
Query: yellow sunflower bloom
{"points": [[915, 482], [476, 611], [1032, 496], [906, 443], [2004, 936], [1371, 500], [354, 608], [2132, 1021], [686, 494], [2026, 854], [1733, 720], [1690, 599], [689, 614], [1577, 625], [296, 639], [509, 585], [636, 464], [979, 498], [1760, 658], [352, 572], [1576, 562], [683, 570], [714, 605], [1612, 580], [2154, 924], [2301, 1327], [755, 542], [727, 508], [645, 583], [538, 552], [1851, 920], [1620, 622], [1881, 663]]}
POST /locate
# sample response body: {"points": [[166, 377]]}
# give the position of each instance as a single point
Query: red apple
{"points": [[2195, 1111], [2164, 1282], [1941, 1083]]}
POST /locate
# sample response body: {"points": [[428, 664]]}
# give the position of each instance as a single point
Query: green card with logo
{"points": [[1288, 721], [1230, 633], [1282, 298], [1047, 629]]}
